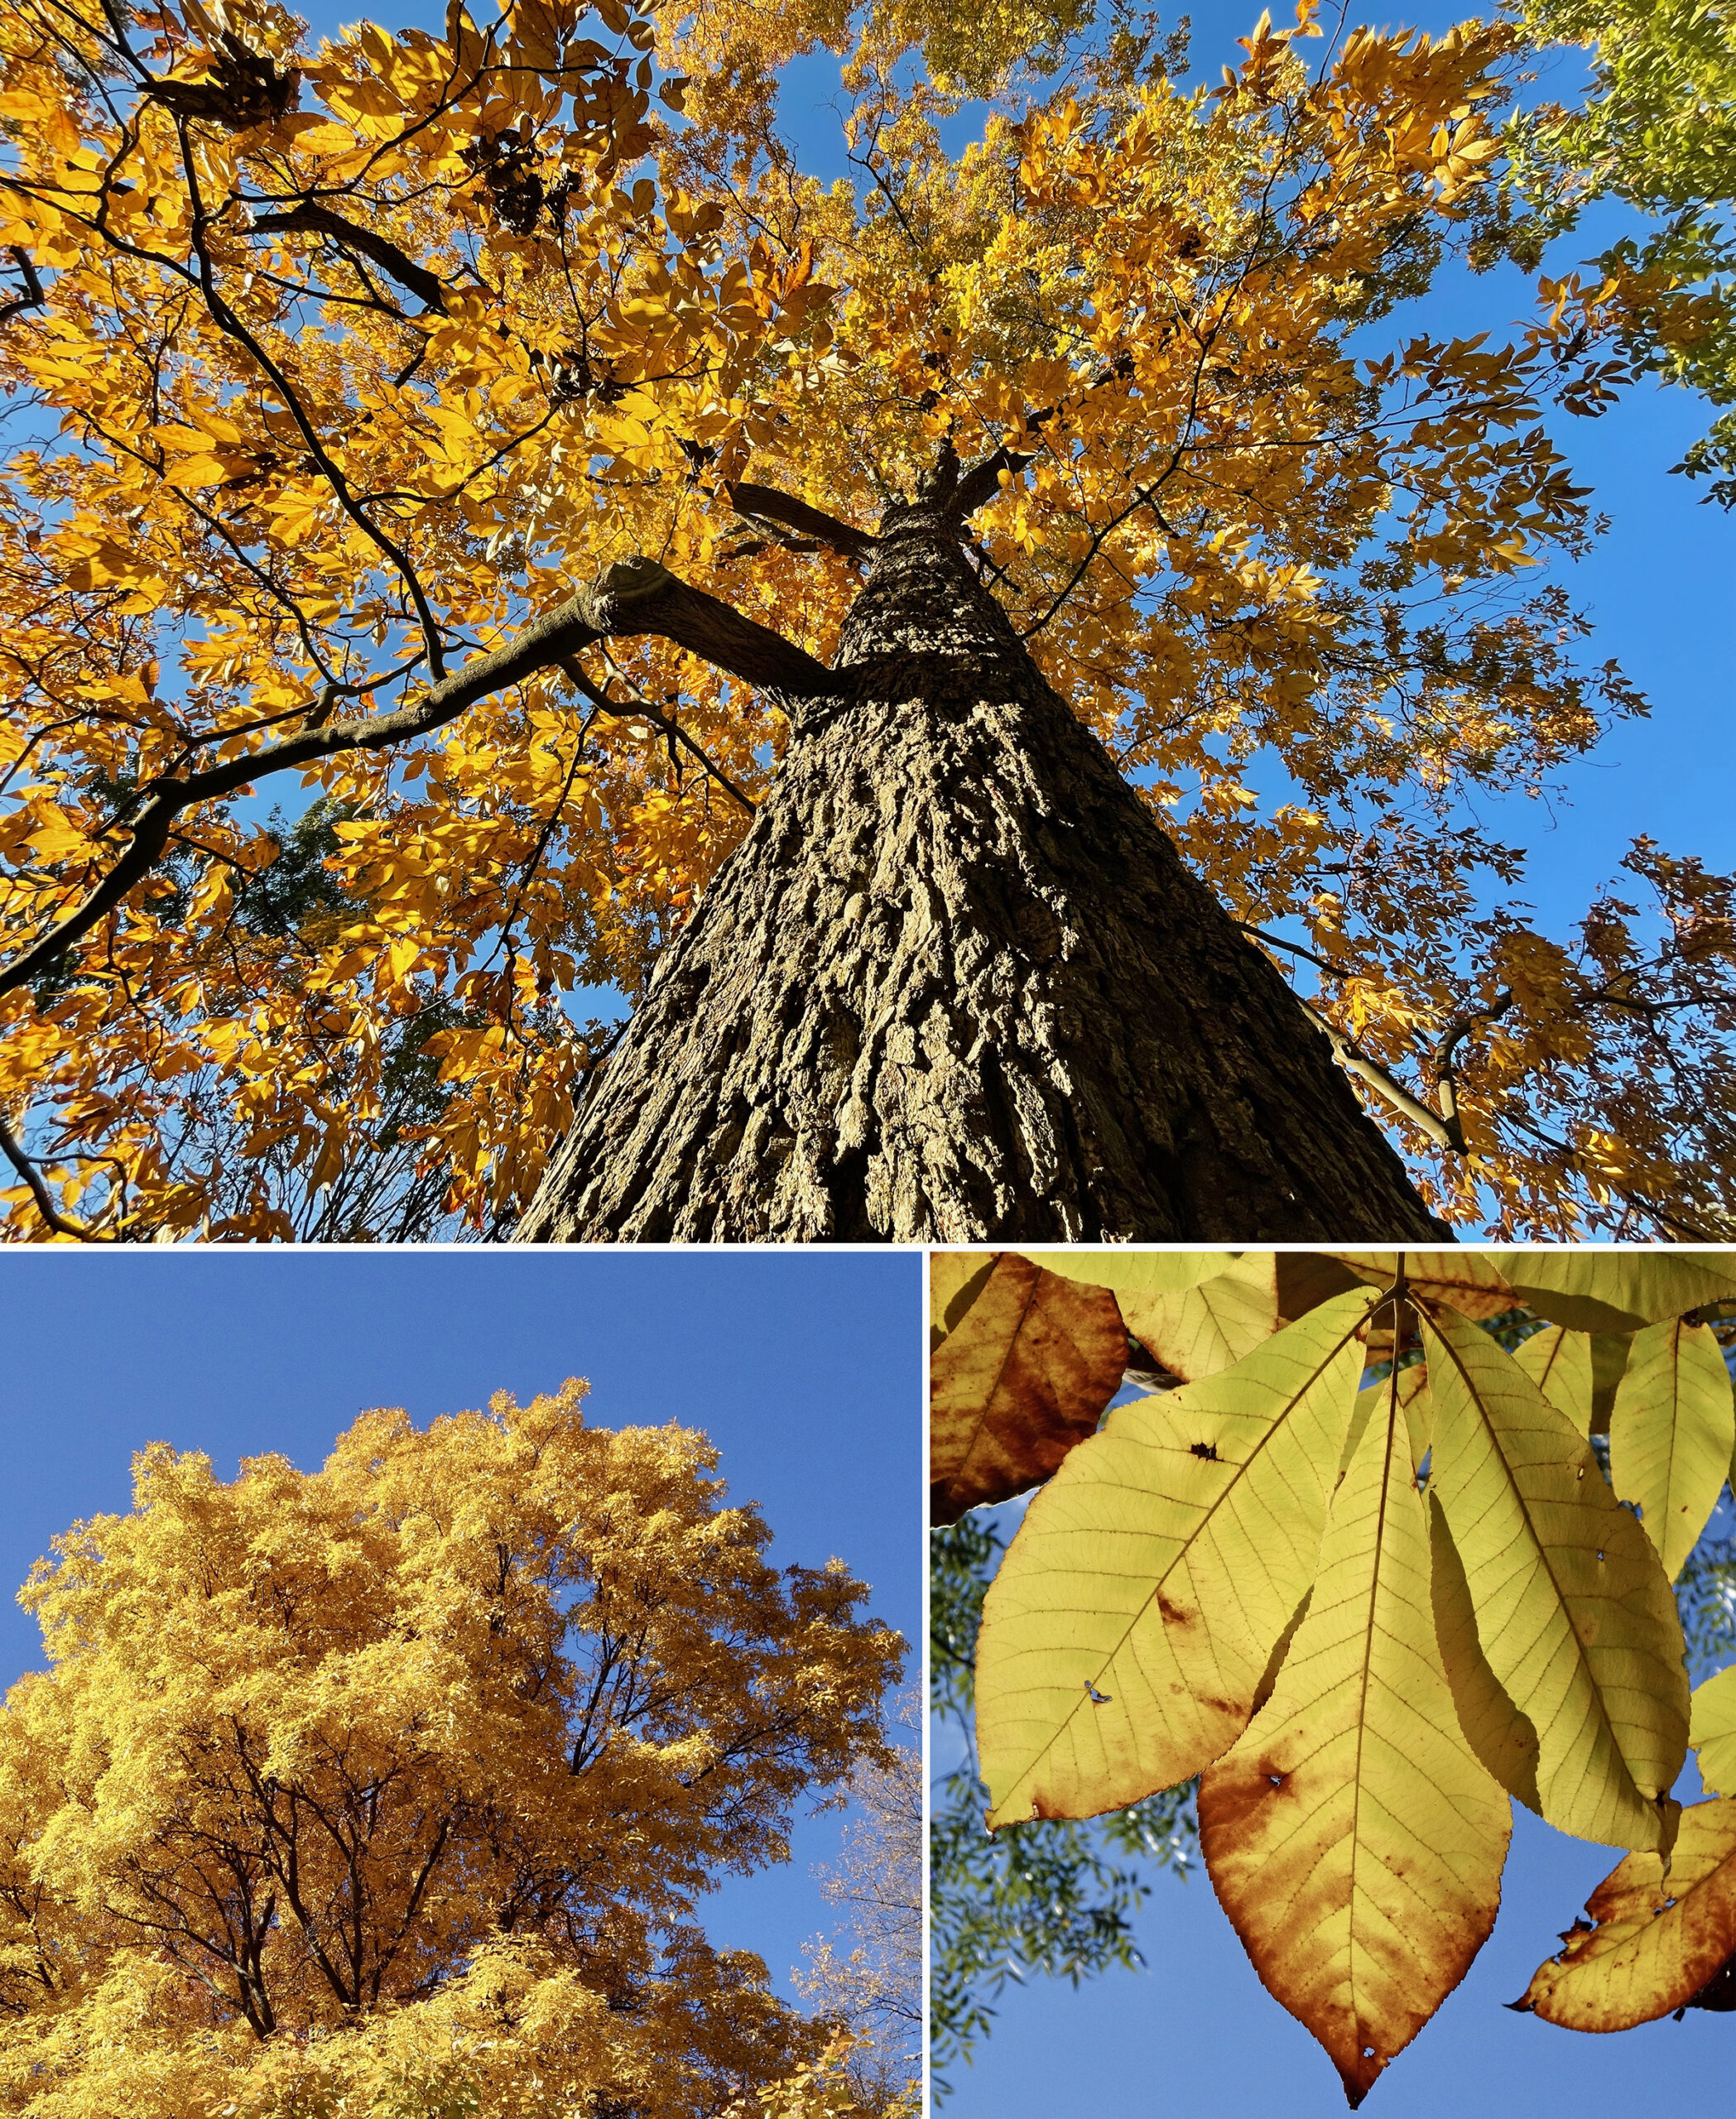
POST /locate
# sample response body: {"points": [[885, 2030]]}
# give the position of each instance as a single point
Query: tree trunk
{"points": [[956, 986]]}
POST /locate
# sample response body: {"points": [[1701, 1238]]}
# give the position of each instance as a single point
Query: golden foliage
{"points": [[405, 1776], [1366, 1609], [346, 365]]}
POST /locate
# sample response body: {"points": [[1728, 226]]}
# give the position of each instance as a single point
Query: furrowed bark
{"points": [[957, 986]]}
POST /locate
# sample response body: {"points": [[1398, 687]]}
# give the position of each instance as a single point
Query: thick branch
{"points": [[313, 219], [632, 597], [766, 504]]}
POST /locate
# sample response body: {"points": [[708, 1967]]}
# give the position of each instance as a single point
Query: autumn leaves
{"points": [[1356, 1563]]}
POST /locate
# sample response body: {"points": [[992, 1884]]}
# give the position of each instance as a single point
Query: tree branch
{"points": [[639, 709], [13, 1149], [979, 483], [311, 219], [632, 598], [766, 504]]}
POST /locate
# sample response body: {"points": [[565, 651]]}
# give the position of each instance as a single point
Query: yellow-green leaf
{"points": [[1469, 1280], [1558, 1363], [1024, 1375], [1126, 1635], [1653, 1940], [1574, 1619], [1413, 1399], [1127, 1272], [1351, 1834], [1671, 1430], [1591, 1290], [1712, 1731]]}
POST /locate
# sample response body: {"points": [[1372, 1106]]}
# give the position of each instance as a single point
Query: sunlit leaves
{"points": [[1574, 1621], [466, 1720], [1671, 1431], [1368, 1607], [1126, 1633], [1353, 1837], [453, 321]]}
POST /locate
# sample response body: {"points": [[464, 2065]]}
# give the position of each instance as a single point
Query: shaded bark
{"points": [[957, 986]]}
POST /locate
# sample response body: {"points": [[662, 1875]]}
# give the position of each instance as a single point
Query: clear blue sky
{"points": [[1195, 2034], [804, 1367]]}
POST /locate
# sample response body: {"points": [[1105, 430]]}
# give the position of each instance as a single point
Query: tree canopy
{"points": [[403, 1779], [1390, 1543], [487, 434]]}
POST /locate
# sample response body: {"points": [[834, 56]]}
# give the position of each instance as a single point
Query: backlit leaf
{"points": [[1023, 1376], [1125, 1637], [1712, 1731], [955, 1279], [1671, 1431], [1351, 1835], [1574, 1620], [1560, 1363], [1593, 1290], [1653, 1940]]}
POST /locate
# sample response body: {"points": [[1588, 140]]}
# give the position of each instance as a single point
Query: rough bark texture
{"points": [[956, 986]]}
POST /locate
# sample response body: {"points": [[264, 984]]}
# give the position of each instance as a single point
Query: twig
{"points": [[60, 1223]]}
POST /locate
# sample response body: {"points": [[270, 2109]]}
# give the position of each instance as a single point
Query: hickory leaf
{"points": [[1024, 1375], [1575, 1625], [1712, 1731], [1351, 1834], [1654, 1939], [1671, 1430], [1615, 1291], [1560, 1363], [1126, 1633]]}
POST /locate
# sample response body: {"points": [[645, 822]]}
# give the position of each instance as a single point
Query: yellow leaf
{"points": [[1024, 1375], [1575, 1625], [1654, 1940], [1712, 1731], [1125, 1635], [1558, 1363], [1671, 1431], [1351, 1834]]}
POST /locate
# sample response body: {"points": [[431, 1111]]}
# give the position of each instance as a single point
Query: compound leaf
{"points": [[1126, 1632], [1351, 1834]]}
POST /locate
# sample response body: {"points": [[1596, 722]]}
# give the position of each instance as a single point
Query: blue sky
{"points": [[803, 1368]]}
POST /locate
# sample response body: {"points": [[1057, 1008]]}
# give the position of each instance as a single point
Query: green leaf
{"points": [[1350, 1833], [1671, 1431], [1574, 1623], [1126, 1632]]}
